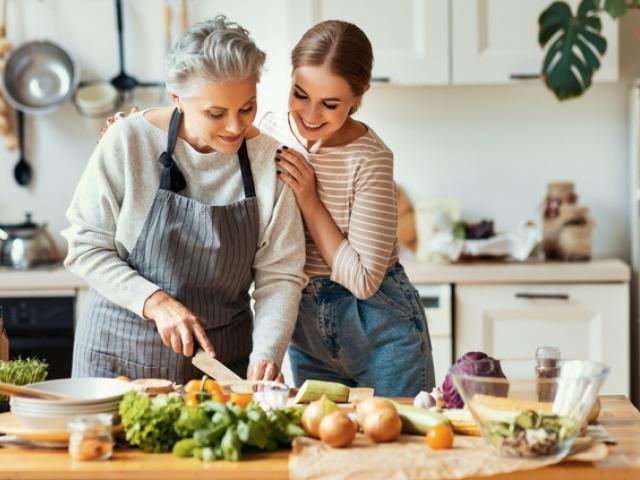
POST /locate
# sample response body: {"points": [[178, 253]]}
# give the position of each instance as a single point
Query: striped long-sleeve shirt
{"points": [[355, 183]]}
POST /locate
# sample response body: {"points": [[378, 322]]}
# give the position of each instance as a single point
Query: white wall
{"points": [[495, 148]]}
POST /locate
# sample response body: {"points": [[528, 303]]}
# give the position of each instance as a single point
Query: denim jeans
{"points": [[382, 342]]}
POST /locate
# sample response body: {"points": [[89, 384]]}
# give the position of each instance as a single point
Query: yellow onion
{"points": [[365, 407], [382, 425], [337, 429], [314, 413]]}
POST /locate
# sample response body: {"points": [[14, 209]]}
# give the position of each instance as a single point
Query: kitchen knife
{"points": [[212, 367]]}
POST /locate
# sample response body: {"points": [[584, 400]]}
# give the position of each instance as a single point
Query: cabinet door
{"points": [[410, 38], [584, 321], [493, 40], [436, 300]]}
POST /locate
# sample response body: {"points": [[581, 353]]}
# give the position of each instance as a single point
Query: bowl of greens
{"points": [[521, 414]]}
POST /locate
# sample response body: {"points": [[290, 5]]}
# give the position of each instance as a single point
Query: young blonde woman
{"points": [[178, 211], [360, 320]]}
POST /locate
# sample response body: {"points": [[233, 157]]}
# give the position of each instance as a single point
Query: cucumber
{"points": [[419, 420], [314, 389]]}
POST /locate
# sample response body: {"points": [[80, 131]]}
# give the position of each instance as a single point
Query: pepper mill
{"points": [[547, 368]]}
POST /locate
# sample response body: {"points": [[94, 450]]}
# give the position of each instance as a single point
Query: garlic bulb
{"points": [[424, 400]]}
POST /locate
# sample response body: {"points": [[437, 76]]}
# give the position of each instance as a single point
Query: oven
{"points": [[41, 324]]}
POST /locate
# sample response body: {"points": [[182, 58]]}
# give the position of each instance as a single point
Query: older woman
{"points": [[170, 229]]}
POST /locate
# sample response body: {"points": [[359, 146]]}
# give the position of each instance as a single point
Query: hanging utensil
{"points": [[168, 14], [184, 17], [123, 82], [22, 171]]}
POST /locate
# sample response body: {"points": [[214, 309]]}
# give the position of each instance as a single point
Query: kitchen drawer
{"points": [[436, 300]]}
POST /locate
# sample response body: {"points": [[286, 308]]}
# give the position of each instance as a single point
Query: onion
{"points": [[382, 425], [314, 413], [370, 405], [337, 429]]}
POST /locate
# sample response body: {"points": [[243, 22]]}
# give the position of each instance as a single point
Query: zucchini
{"points": [[418, 420]]}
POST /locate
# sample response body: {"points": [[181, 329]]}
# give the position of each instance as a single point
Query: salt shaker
{"points": [[547, 368]]}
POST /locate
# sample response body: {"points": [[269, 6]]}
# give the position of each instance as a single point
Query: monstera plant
{"points": [[575, 43]]}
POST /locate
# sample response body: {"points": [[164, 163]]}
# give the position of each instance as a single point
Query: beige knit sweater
{"points": [[116, 192]]}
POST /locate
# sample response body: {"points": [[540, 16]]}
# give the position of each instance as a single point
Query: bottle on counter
{"points": [[4, 340], [547, 367]]}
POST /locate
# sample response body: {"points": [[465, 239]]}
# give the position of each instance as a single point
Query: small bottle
{"points": [[91, 437], [4, 340], [547, 367]]}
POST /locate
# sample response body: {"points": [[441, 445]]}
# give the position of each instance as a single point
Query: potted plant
{"points": [[574, 43]]}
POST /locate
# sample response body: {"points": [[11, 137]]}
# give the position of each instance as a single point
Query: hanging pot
{"points": [[39, 76]]}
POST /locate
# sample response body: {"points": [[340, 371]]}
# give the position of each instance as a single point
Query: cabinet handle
{"points": [[381, 79], [543, 296], [524, 76]]}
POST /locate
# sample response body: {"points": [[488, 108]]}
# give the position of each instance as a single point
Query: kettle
{"points": [[26, 245]]}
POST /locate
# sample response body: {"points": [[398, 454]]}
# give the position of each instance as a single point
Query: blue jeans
{"points": [[382, 342]]}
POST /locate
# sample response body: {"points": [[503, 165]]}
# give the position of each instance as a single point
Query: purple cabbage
{"points": [[470, 364]]}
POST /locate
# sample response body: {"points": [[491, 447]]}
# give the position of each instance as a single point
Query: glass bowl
{"points": [[268, 394], [523, 414]]}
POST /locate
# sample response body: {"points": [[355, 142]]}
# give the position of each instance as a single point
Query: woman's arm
{"points": [[279, 279], [359, 261], [93, 217]]}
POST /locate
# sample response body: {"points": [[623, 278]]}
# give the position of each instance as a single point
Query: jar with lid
{"points": [[91, 437]]}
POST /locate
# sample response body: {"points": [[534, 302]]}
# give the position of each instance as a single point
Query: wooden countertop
{"points": [[620, 418], [594, 271]]}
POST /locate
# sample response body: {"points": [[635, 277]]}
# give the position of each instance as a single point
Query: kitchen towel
{"points": [[409, 458]]}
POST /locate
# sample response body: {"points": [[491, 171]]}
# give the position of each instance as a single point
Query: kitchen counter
{"points": [[594, 271], [620, 418], [54, 277]]}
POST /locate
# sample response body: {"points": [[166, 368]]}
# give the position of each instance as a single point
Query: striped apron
{"points": [[202, 256]]}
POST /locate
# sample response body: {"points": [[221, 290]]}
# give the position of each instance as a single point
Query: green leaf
{"points": [[575, 45], [615, 8]]}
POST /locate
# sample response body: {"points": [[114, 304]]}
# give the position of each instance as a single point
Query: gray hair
{"points": [[212, 51]]}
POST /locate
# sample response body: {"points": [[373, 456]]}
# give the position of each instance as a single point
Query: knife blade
{"points": [[213, 367]]}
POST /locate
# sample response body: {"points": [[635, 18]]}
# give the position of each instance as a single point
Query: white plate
{"points": [[86, 390]]}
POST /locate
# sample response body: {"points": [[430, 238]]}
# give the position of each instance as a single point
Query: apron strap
{"points": [[171, 177], [245, 168]]}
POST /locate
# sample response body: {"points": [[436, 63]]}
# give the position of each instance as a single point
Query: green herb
{"points": [[230, 430], [149, 423], [22, 372]]}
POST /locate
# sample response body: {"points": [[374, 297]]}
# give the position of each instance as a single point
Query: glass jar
{"points": [[91, 437]]}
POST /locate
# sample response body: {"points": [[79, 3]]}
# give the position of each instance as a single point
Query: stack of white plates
{"points": [[91, 396]]}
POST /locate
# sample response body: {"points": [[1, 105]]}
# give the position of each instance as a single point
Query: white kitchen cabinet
{"points": [[494, 40], [410, 38], [586, 321], [436, 300]]}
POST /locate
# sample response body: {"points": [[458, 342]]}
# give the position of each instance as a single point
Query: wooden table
{"points": [[620, 418]]}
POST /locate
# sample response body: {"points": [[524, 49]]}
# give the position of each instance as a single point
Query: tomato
{"points": [[241, 399], [439, 437]]}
